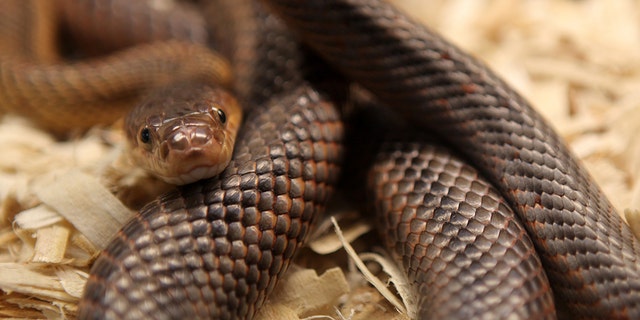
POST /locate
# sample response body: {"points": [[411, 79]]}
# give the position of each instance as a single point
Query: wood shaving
{"points": [[331, 242], [578, 62], [373, 280], [398, 278], [304, 294]]}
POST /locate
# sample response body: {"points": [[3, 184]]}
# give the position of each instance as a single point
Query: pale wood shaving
{"points": [[375, 281], [72, 280], [303, 293], [81, 242], [330, 242], [341, 211], [6, 237], [365, 303], [398, 278], [7, 310], [51, 244], [53, 309], [84, 202], [633, 217], [37, 217], [33, 280]]}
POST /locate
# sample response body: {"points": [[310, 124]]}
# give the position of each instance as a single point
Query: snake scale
{"points": [[215, 248]]}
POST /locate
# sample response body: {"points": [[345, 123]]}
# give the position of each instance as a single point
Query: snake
{"points": [[215, 248]]}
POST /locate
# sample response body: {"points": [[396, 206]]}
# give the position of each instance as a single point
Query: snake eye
{"points": [[222, 116], [145, 135]]}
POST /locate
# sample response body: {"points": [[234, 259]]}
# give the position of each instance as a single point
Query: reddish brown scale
{"points": [[134, 22]]}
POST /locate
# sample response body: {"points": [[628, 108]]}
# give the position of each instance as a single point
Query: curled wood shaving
{"points": [[330, 242], [51, 244], [399, 279], [375, 281]]}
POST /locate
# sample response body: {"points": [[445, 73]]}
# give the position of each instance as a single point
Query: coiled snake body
{"points": [[215, 248], [589, 253]]}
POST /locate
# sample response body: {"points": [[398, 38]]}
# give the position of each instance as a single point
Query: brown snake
{"points": [[215, 248]]}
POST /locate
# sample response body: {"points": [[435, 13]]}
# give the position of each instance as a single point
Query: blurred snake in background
{"points": [[537, 237]]}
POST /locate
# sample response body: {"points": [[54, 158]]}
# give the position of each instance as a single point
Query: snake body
{"points": [[215, 248], [589, 253], [461, 245], [62, 96], [465, 252]]}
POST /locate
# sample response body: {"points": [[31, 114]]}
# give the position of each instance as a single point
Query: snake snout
{"points": [[184, 133], [193, 148], [191, 139]]}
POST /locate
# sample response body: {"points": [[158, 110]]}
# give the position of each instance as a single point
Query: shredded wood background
{"points": [[577, 61]]}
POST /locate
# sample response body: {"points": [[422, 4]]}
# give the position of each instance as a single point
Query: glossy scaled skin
{"points": [[462, 247], [590, 255]]}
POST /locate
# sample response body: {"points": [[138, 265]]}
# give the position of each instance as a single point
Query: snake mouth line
{"points": [[195, 174], [195, 163]]}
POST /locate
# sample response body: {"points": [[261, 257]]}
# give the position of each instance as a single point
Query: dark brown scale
{"points": [[590, 254], [466, 254]]}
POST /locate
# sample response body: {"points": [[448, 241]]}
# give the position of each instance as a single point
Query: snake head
{"points": [[184, 133]]}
